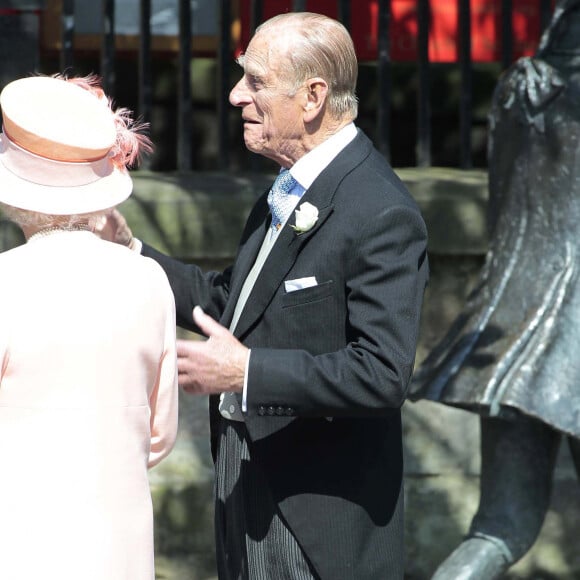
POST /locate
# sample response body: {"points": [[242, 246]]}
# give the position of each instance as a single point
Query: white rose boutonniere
{"points": [[306, 217]]}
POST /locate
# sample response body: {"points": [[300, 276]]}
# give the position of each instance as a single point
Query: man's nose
{"points": [[238, 95]]}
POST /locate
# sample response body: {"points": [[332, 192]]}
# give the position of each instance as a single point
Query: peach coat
{"points": [[88, 401]]}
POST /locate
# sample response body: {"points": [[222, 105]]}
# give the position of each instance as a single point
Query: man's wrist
{"points": [[245, 387]]}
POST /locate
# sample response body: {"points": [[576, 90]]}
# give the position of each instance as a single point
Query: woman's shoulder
{"points": [[13, 256], [132, 262]]}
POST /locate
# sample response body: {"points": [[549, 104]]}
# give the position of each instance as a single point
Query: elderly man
{"points": [[310, 362]]}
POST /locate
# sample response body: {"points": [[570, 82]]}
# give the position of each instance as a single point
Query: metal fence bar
{"points": [[145, 77], [344, 12], [223, 88], [257, 14], [145, 88], [384, 79], [108, 47], [545, 14], [465, 67], [256, 18], [67, 22], [507, 33], [423, 147], [184, 108]]}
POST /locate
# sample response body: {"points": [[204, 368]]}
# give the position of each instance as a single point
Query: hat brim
{"points": [[79, 199]]}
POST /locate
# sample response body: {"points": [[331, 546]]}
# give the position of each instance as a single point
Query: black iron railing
{"points": [[384, 66]]}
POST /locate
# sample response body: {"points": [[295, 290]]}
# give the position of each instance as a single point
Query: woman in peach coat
{"points": [[88, 382]]}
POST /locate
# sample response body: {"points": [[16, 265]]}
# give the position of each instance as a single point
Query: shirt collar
{"points": [[311, 165]]}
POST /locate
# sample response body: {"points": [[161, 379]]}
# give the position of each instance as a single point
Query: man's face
{"points": [[273, 123]]}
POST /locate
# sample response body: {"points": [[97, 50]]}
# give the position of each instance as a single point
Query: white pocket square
{"points": [[300, 283]]}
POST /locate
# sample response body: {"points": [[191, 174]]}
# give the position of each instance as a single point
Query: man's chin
{"points": [[260, 149], [254, 147]]}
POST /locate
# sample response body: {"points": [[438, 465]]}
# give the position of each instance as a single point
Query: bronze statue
{"points": [[512, 354]]}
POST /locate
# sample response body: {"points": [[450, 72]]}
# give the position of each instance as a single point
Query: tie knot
{"points": [[284, 182], [281, 204]]}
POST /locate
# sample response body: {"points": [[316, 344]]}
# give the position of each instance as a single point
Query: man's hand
{"points": [[212, 366], [114, 228]]}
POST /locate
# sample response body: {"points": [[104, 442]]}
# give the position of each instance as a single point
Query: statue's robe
{"points": [[515, 348]]}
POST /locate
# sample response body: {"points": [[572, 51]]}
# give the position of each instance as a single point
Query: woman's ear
{"points": [[316, 92]]}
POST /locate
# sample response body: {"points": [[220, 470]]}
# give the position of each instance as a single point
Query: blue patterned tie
{"points": [[280, 201]]}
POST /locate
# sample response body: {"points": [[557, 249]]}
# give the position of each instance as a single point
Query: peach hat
{"points": [[59, 147]]}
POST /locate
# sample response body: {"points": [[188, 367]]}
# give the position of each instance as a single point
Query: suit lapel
{"points": [[277, 265], [287, 247], [245, 259]]}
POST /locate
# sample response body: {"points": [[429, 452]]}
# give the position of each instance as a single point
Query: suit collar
{"points": [[311, 165]]}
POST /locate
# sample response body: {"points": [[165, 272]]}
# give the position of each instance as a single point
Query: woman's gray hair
{"points": [[27, 218], [319, 47]]}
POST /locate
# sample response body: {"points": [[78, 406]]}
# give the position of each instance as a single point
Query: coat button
{"points": [[271, 411], [261, 410], [289, 411], [279, 411]]}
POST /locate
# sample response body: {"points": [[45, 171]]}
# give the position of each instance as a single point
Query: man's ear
{"points": [[316, 93]]}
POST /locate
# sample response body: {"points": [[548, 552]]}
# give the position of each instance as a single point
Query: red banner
{"points": [[486, 15]]}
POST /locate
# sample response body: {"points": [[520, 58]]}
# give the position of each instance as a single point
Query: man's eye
{"points": [[254, 81]]}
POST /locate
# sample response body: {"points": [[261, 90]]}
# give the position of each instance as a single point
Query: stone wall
{"points": [[199, 217]]}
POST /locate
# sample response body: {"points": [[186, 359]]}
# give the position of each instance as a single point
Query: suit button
{"points": [[261, 410], [289, 411], [279, 411], [271, 411]]}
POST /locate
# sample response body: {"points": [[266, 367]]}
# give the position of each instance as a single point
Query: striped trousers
{"points": [[252, 540]]}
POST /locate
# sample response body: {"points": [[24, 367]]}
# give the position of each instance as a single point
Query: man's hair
{"points": [[318, 46]]}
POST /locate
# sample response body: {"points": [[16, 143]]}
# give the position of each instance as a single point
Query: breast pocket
{"points": [[314, 318], [308, 295]]}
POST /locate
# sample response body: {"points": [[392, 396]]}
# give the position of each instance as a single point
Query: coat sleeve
{"points": [[193, 287], [163, 400]]}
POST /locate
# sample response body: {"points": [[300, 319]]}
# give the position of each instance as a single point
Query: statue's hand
{"points": [[542, 82], [529, 87]]}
